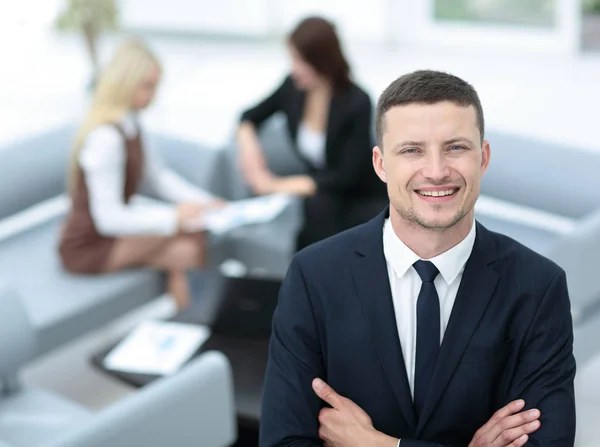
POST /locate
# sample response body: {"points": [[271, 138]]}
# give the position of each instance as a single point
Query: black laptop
{"points": [[233, 306]]}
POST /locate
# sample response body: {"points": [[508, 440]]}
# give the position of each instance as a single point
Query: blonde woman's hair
{"points": [[114, 93]]}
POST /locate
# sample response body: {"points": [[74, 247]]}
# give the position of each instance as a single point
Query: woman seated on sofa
{"points": [[104, 232], [329, 120]]}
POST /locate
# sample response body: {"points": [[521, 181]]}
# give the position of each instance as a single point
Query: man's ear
{"points": [[379, 164], [486, 154]]}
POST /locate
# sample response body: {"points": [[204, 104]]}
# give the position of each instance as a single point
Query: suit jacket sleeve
{"points": [[290, 408], [355, 154], [268, 106], [546, 370]]}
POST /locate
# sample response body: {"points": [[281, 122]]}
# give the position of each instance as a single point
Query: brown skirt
{"points": [[89, 256]]}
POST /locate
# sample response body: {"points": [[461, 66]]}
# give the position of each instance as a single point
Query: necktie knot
{"points": [[426, 270]]}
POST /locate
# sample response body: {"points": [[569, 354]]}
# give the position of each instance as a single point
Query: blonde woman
{"points": [[104, 232]]}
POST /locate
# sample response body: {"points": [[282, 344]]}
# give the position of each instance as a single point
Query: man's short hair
{"points": [[427, 87]]}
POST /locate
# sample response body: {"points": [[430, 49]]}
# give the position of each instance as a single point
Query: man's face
{"points": [[432, 160]]}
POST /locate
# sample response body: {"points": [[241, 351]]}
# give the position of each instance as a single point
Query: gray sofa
{"points": [[556, 211], [534, 191], [63, 306], [193, 407]]}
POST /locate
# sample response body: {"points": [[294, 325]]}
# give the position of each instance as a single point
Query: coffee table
{"points": [[247, 356]]}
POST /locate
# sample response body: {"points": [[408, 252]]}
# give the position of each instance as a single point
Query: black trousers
{"points": [[328, 214]]}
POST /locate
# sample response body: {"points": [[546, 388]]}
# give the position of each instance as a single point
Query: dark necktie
{"points": [[428, 332]]}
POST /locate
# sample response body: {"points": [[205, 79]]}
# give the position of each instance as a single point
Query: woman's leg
{"points": [[176, 255], [186, 252]]}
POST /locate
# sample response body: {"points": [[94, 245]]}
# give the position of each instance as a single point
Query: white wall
{"points": [[239, 17], [356, 20], [391, 21]]}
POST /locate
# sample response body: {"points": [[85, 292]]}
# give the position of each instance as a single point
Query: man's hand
{"points": [[507, 429], [346, 424]]}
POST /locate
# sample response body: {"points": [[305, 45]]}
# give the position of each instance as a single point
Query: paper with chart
{"points": [[157, 348], [242, 212]]}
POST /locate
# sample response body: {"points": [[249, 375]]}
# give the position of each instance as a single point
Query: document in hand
{"points": [[242, 212], [157, 348]]}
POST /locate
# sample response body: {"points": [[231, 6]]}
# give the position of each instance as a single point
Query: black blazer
{"points": [[349, 141], [509, 336]]}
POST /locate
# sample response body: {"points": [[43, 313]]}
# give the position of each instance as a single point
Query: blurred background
{"points": [[535, 64], [522, 55]]}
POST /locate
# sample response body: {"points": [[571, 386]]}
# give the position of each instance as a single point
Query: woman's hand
{"points": [[299, 185], [262, 182], [216, 202], [189, 212]]}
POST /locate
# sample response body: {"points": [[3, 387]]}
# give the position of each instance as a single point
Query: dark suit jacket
{"points": [[509, 336], [349, 141]]}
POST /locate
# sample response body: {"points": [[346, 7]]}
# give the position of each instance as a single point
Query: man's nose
{"points": [[436, 168]]}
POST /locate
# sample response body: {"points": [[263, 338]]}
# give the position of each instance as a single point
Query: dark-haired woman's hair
{"points": [[317, 42]]}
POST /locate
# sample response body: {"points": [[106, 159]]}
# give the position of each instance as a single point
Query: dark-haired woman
{"points": [[329, 120]]}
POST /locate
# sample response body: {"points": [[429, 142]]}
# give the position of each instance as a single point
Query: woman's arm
{"points": [[355, 161], [170, 186], [251, 159], [102, 159]]}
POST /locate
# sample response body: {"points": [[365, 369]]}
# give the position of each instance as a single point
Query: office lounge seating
{"points": [[192, 407], [33, 203]]}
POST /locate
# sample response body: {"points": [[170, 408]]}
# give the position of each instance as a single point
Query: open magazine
{"points": [[241, 212], [157, 348]]}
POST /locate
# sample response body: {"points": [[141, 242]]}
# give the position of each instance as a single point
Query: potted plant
{"points": [[91, 18], [590, 25]]}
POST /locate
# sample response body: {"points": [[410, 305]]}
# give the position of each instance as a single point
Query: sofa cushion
{"points": [[548, 176], [63, 306], [268, 247], [34, 169], [200, 164]]}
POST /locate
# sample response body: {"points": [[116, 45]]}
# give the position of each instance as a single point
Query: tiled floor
{"points": [[207, 83]]}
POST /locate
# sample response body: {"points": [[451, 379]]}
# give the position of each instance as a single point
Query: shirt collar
{"points": [[450, 263], [129, 124]]}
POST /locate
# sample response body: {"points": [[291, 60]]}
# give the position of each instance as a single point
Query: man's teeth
{"points": [[438, 193]]}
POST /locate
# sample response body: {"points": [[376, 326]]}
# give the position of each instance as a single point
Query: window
{"points": [[538, 13]]}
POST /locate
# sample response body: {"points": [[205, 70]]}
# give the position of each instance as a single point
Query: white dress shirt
{"points": [[405, 285], [103, 158]]}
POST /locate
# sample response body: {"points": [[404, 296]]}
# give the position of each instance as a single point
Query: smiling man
{"points": [[422, 328]]}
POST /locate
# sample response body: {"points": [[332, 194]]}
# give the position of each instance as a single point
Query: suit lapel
{"points": [[373, 287], [335, 116], [295, 114], [475, 291]]}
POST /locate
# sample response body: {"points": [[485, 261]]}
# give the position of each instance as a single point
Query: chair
{"points": [[191, 408]]}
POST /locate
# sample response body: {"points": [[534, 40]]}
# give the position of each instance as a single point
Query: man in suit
{"points": [[422, 328]]}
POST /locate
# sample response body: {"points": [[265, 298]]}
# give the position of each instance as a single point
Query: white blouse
{"points": [[311, 145], [103, 158]]}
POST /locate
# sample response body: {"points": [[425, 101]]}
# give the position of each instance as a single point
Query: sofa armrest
{"points": [[578, 253], [191, 408]]}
